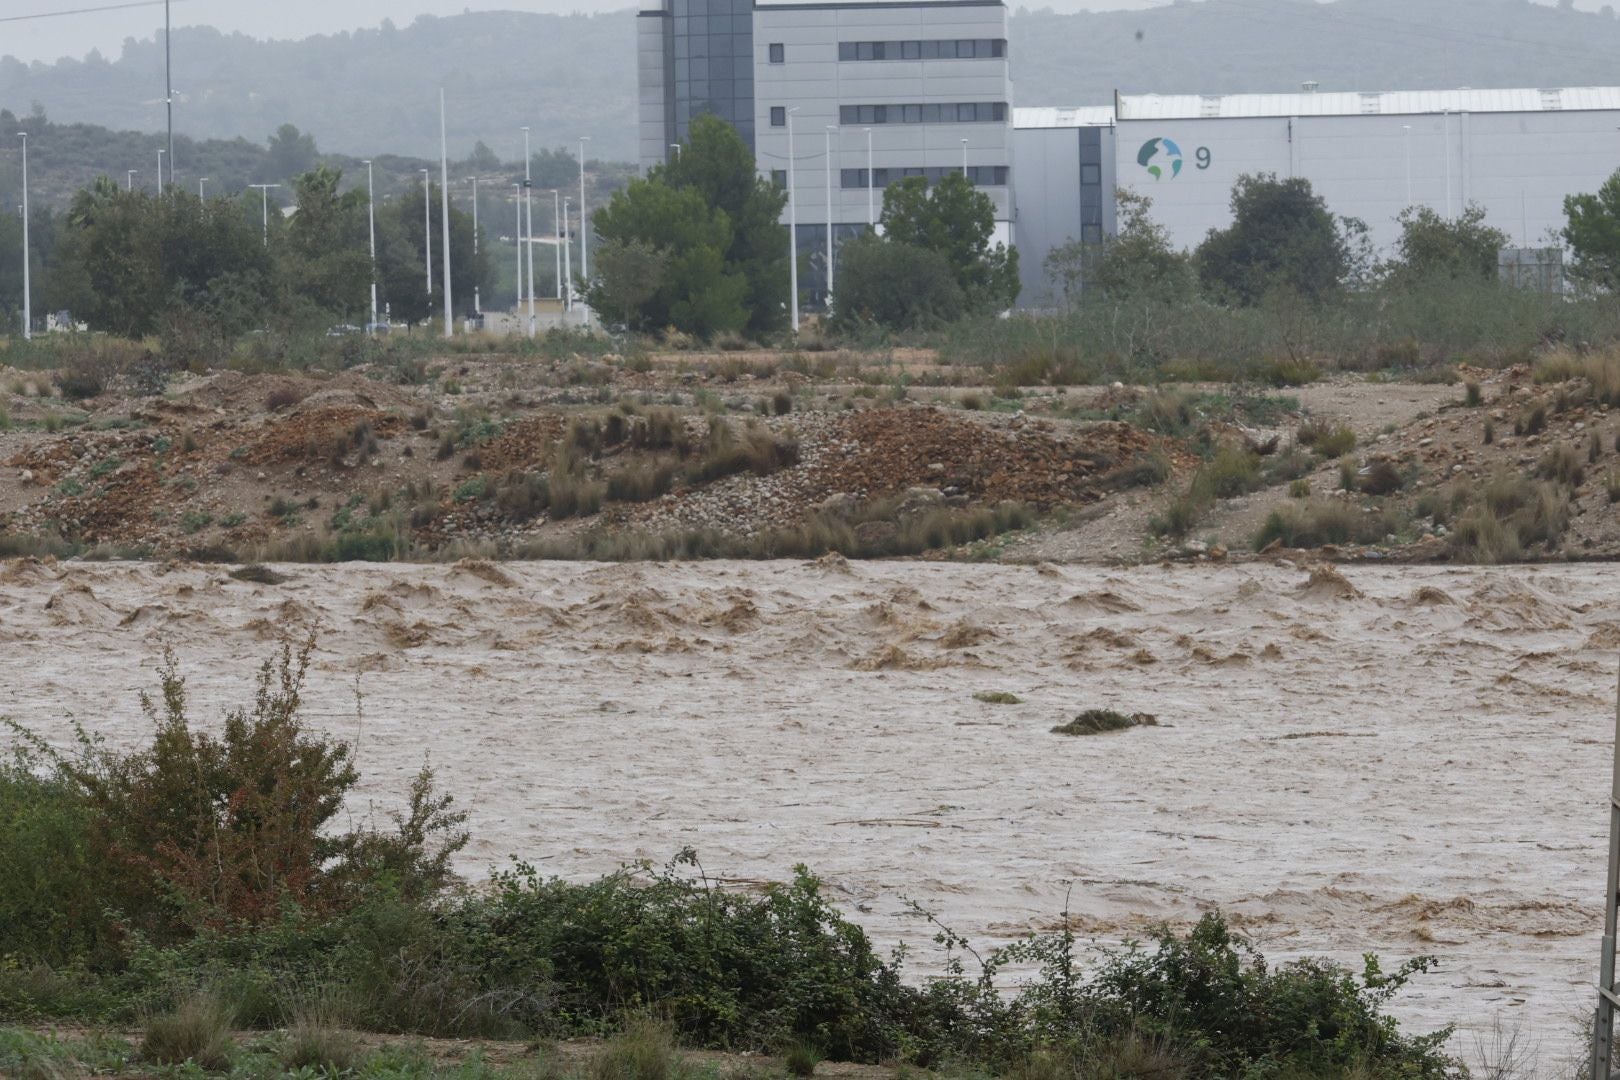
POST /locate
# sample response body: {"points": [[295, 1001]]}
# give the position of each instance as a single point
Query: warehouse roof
{"points": [[1053, 117], [1375, 103], [1311, 103]]}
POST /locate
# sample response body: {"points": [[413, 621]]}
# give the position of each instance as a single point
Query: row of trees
{"points": [[699, 245], [1283, 238], [137, 264]]}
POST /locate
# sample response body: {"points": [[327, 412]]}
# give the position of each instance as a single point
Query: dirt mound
{"points": [[885, 451], [317, 434]]}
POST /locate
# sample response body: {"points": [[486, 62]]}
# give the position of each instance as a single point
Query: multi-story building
{"points": [[843, 97]]}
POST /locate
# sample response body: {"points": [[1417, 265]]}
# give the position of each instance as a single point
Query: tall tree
{"points": [[292, 153], [956, 220], [1282, 236], [1593, 234], [1431, 245]]}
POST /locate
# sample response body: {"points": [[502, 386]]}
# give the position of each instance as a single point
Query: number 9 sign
{"points": [[1202, 157]]}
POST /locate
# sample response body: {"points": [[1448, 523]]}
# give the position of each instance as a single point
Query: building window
{"points": [[979, 175], [964, 112], [1091, 234], [1091, 174], [779, 177], [777, 52], [778, 116], [938, 49]]}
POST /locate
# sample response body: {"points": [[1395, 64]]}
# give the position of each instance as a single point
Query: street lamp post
{"points": [[871, 182], [675, 146], [528, 214], [444, 217], [584, 227], [427, 226], [517, 201], [168, 95], [793, 230], [371, 212], [829, 133], [129, 179], [964, 159], [556, 248], [478, 301], [264, 189], [568, 259], [28, 300], [201, 180], [160, 172]]}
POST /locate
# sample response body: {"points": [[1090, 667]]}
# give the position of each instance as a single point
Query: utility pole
{"points": [[444, 215], [28, 300], [265, 190], [830, 129], [556, 247], [793, 230], [584, 228], [871, 200], [201, 180], [517, 201], [568, 260], [427, 226], [371, 212], [160, 171], [129, 179], [1603, 1024], [478, 302], [528, 213], [168, 94]]}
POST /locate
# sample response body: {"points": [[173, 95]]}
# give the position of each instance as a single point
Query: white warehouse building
{"points": [[897, 88], [1514, 153]]}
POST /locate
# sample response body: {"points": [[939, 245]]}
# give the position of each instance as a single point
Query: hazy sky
{"points": [[75, 35]]}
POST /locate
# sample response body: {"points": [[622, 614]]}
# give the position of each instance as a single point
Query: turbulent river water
{"points": [[1395, 760]]}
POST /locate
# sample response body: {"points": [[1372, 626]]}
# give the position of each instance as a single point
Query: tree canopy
{"points": [[1432, 245], [957, 221], [1282, 236], [1593, 234]]}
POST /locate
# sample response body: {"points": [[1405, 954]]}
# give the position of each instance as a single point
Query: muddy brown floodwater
{"points": [[1397, 760]]}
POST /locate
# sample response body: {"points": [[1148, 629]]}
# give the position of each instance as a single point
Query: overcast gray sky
{"points": [[75, 35]]}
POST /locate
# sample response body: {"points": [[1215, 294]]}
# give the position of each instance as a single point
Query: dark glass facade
{"points": [[948, 49], [710, 64], [978, 175]]}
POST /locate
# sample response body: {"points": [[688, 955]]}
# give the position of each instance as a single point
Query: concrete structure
{"points": [[929, 78]]}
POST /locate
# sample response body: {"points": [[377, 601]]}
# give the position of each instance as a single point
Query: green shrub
{"points": [[1101, 721], [1473, 397], [197, 1031], [314, 1044], [1299, 489], [1231, 472], [640, 483], [1180, 515], [1563, 464], [802, 1059], [1313, 524], [1328, 441], [472, 489], [997, 697]]}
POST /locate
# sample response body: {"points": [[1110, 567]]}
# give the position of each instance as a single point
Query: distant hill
{"points": [[376, 91]]}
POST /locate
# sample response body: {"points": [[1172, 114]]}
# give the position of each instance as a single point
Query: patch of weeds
{"points": [[1531, 422], [233, 519], [801, 1059], [472, 490], [1473, 397], [998, 697], [1327, 441], [195, 521], [198, 1031], [104, 467], [1314, 524], [1611, 485], [1299, 489], [70, 488], [1563, 464], [1101, 721]]}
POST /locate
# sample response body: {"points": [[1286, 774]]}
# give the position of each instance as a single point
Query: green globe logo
{"points": [[1155, 153]]}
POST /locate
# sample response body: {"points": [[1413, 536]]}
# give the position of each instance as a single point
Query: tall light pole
{"points": [[675, 146], [427, 226], [871, 184], [371, 212], [1406, 137], [829, 133], [168, 95], [478, 301], [528, 215], [517, 201], [201, 180], [160, 171], [264, 189], [444, 215], [28, 300], [793, 230], [584, 228], [568, 259], [129, 179], [556, 248], [964, 159]]}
